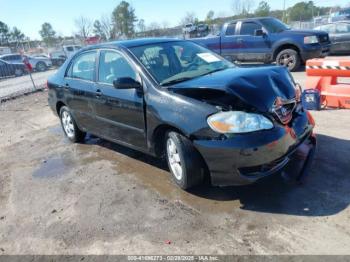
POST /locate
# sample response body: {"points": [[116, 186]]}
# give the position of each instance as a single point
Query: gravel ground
{"points": [[101, 198], [19, 85]]}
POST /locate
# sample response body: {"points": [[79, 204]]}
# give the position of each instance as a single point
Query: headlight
{"points": [[310, 39], [238, 122]]}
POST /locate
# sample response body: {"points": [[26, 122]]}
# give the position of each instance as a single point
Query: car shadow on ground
{"points": [[324, 192]]}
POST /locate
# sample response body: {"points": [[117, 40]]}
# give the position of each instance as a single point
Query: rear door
{"points": [[80, 88], [119, 112], [252, 48], [229, 44]]}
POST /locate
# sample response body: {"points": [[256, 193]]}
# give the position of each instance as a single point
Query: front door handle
{"points": [[98, 93], [240, 40]]}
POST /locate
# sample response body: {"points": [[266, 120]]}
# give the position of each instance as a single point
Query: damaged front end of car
{"points": [[260, 127]]}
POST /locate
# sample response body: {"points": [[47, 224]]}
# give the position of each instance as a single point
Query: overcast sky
{"points": [[29, 15]]}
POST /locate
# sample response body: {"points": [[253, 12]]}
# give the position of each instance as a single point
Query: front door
{"points": [[251, 47], [119, 112]]}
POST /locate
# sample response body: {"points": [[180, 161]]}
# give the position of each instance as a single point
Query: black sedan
{"points": [[339, 34], [176, 99], [13, 69]]}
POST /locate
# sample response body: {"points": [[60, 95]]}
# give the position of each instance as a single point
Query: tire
{"points": [[41, 67], [289, 58], [19, 72], [180, 153], [69, 126]]}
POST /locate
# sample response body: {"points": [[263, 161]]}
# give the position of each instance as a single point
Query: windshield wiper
{"points": [[174, 81], [213, 71]]}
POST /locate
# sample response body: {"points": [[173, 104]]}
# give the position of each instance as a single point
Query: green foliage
{"points": [[47, 34], [263, 9], [98, 30], [4, 33], [210, 17], [302, 11], [124, 18]]}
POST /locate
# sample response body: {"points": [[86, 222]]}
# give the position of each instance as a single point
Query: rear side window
{"points": [[112, 66], [83, 66], [231, 29], [248, 28]]}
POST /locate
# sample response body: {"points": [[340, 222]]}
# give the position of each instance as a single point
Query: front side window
{"points": [[178, 61], [83, 66], [343, 28], [329, 28], [248, 28], [112, 66]]}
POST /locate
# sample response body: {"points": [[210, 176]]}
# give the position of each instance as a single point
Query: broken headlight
{"points": [[238, 122]]}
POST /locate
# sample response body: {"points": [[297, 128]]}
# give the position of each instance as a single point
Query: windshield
{"points": [[273, 25], [178, 61]]}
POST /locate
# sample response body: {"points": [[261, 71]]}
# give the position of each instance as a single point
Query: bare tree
{"points": [[189, 18], [84, 26], [242, 7], [107, 26]]}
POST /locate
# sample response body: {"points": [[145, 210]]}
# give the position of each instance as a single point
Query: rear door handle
{"points": [[240, 40], [98, 93]]}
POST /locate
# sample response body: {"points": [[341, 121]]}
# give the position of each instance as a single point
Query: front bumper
{"points": [[315, 51], [244, 159]]}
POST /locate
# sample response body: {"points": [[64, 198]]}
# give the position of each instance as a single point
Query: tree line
{"points": [[122, 23]]}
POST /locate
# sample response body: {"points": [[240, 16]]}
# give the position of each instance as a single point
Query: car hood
{"points": [[304, 32], [258, 87]]}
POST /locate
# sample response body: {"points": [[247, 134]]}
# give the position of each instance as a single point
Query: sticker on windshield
{"points": [[208, 57]]}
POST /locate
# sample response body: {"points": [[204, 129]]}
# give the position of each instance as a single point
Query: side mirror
{"points": [[259, 32], [126, 83]]}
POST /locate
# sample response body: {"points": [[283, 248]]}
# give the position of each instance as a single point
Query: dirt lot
{"points": [[100, 198]]}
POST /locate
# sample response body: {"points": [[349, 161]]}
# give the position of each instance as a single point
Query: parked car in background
{"points": [[267, 40], [11, 69], [69, 50], [339, 34], [57, 58], [202, 30], [4, 50], [177, 99], [189, 28], [38, 63]]}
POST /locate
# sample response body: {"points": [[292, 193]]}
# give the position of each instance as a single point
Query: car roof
{"points": [[252, 19], [135, 42]]}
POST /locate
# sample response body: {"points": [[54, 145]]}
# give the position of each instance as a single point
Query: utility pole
{"points": [[284, 11]]}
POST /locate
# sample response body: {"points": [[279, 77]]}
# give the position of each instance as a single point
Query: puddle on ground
{"points": [[52, 167]]}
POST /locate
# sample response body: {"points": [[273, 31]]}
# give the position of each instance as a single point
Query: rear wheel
{"points": [[185, 163], [41, 66], [289, 58], [19, 72], [69, 126]]}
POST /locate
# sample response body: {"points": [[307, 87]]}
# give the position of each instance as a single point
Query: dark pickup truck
{"points": [[267, 40]]}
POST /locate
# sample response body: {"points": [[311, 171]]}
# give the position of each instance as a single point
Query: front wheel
{"points": [[289, 58], [185, 163], [69, 126], [41, 66]]}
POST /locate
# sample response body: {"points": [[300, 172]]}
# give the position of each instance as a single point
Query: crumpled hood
{"points": [[258, 86]]}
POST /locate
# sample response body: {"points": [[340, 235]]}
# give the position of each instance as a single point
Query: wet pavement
{"points": [[103, 198]]}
